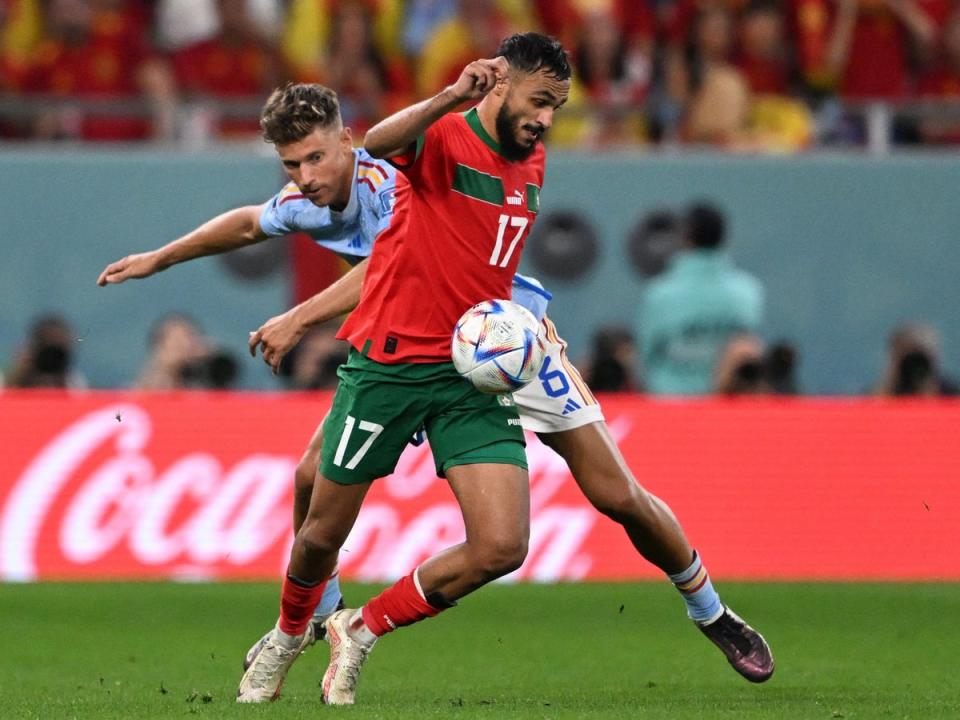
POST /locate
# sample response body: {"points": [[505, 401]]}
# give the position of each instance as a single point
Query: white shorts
{"points": [[558, 399]]}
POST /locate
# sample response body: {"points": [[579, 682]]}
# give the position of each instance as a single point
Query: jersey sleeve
{"points": [[407, 160], [277, 216], [419, 162]]}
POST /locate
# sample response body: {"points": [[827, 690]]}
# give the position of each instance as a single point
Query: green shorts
{"points": [[377, 409]]}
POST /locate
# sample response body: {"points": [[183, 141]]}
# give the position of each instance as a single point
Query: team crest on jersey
{"points": [[506, 400], [387, 201]]}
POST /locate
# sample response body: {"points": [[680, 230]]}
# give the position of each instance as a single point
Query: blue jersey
{"points": [[352, 232], [349, 233]]}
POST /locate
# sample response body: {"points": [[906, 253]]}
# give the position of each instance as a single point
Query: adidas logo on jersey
{"points": [[515, 199], [570, 407]]}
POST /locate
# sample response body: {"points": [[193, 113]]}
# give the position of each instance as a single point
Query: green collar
{"points": [[473, 120]]}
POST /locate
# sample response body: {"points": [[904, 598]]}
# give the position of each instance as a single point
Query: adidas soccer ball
{"points": [[498, 346]]}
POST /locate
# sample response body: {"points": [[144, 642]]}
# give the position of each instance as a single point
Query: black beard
{"points": [[509, 147]]}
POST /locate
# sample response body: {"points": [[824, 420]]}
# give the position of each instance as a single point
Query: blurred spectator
{"points": [[914, 364], [21, 28], [763, 54], [355, 67], [420, 19], [239, 62], [776, 121], [354, 47], [691, 311], [609, 368], [616, 78], [187, 22], [474, 32], [46, 361], [718, 100], [941, 80], [781, 368], [98, 50], [180, 357], [862, 47], [313, 362], [679, 21], [308, 29], [746, 367], [741, 368], [739, 100]]}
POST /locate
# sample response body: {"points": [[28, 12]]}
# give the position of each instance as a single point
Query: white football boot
{"points": [[264, 678], [347, 656], [319, 632]]}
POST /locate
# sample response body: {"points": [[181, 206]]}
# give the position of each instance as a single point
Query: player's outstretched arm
{"points": [[395, 134], [231, 230], [278, 335]]}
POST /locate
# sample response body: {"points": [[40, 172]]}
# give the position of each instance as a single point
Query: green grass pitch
{"points": [[527, 651]]}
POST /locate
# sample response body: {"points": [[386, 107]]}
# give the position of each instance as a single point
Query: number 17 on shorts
{"points": [[365, 426]]}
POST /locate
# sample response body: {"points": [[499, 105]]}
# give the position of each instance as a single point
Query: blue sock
{"points": [[703, 602], [330, 599]]}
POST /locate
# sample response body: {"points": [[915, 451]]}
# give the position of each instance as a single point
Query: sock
{"points": [[703, 602], [297, 601], [330, 599], [402, 604]]}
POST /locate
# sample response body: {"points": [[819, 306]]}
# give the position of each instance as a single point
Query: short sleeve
{"points": [[275, 218], [407, 160], [428, 150]]}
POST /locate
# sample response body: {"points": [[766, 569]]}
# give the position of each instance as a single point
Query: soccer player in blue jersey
{"points": [[343, 198]]}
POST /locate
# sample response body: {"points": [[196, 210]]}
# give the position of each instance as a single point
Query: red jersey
{"points": [[461, 216], [877, 63]]}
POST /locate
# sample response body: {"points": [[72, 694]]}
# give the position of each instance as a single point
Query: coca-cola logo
{"points": [[235, 513], [95, 501]]}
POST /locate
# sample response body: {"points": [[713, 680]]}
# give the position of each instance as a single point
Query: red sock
{"points": [[297, 602], [399, 605]]}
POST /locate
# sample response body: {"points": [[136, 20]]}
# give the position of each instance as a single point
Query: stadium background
{"points": [[844, 205]]}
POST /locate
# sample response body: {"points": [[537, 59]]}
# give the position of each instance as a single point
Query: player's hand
{"points": [[140, 265], [479, 78], [277, 336]]}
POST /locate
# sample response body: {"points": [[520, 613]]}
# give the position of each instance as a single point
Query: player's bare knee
{"points": [[496, 557], [304, 475], [318, 542]]}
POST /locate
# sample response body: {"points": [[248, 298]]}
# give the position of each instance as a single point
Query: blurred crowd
{"points": [[775, 75], [699, 330], [181, 357]]}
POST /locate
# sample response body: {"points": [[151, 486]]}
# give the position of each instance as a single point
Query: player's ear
{"points": [[503, 84], [346, 138]]}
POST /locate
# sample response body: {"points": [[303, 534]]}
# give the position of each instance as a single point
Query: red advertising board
{"points": [[199, 485]]}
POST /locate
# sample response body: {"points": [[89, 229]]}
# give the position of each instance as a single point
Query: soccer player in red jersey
{"points": [[464, 206]]}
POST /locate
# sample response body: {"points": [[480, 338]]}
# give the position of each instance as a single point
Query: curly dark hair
{"points": [[531, 52], [295, 110]]}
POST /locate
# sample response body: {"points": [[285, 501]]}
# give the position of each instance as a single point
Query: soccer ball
{"points": [[498, 346]]}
